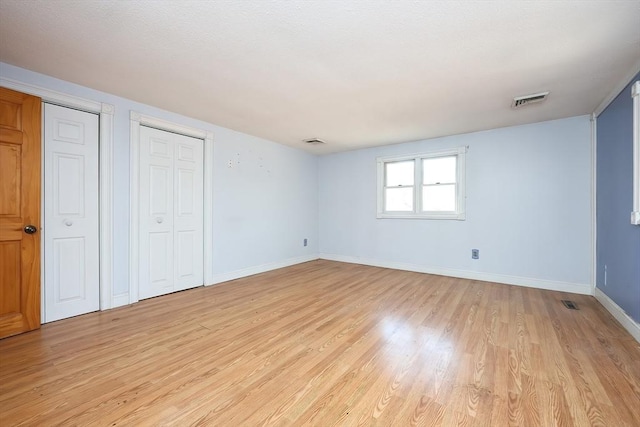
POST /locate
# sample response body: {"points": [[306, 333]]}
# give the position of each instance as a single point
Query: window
{"points": [[428, 186]]}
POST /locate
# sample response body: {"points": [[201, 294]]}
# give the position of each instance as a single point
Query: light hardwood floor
{"points": [[326, 343]]}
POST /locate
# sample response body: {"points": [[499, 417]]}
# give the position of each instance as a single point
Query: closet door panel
{"points": [[171, 212]]}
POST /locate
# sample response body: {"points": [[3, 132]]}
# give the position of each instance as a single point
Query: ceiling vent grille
{"points": [[521, 101], [314, 141]]}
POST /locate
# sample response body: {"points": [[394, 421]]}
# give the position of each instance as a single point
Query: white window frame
{"points": [[635, 93], [417, 213]]}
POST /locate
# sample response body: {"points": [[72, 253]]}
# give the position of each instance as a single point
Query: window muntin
{"points": [[428, 185]]}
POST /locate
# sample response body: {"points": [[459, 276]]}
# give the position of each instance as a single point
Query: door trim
{"points": [[136, 120], [105, 196]]}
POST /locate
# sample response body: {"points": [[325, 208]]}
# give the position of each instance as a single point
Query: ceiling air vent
{"points": [[314, 141], [521, 101]]}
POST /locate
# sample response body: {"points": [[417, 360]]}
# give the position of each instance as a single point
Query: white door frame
{"points": [[137, 119], [105, 194]]}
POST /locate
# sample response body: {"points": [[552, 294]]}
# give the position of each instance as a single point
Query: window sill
{"points": [[449, 216]]}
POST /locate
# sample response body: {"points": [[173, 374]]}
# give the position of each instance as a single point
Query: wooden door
{"points": [[71, 245], [20, 139], [171, 212]]}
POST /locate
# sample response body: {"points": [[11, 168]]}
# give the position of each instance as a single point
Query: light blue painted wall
{"points": [[263, 206], [618, 242], [528, 206]]}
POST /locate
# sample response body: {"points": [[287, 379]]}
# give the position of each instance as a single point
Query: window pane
{"points": [[439, 170], [398, 199], [399, 173], [439, 198]]}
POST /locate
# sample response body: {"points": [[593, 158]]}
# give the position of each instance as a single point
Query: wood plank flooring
{"points": [[326, 343]]}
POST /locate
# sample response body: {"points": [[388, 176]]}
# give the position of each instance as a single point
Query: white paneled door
{"points": [[171, 212], [71, 243]]}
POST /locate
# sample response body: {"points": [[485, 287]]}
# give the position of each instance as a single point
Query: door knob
{"points": [[30, 229], [68, 222], [159, 220]]}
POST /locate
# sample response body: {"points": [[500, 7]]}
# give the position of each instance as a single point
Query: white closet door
{"points": [[188, 212], [171, 212], [156, 212], [71, 243]]}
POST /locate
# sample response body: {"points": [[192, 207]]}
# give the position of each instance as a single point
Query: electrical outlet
{"points": [[304, 242], [475, 253]]}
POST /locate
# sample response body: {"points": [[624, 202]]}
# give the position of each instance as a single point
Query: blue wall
{"points": [[524, 185], [618, 242]]}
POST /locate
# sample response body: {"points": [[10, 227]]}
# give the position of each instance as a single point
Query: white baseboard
{"points": [[616, 311], [250, 271], [120, 300], [576, 288]]}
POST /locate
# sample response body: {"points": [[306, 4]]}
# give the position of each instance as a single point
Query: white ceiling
{"points": [[353, 73]]}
